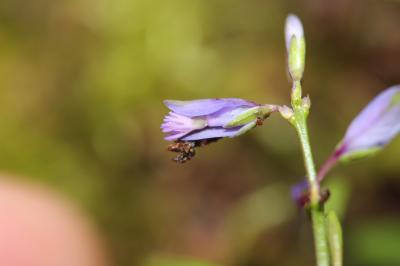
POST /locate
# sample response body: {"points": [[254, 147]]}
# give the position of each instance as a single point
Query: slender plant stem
{"points": [[302, 132], [317, 214]]}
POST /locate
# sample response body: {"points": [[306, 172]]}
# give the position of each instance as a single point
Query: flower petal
{"points": [[205, 106], [372, 113], [177, 126], [223, 117], [212, 132], [375, 126], [175, 136], [293, 27]]}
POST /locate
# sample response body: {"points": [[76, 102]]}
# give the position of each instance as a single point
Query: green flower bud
{"points": [[295, 46]]}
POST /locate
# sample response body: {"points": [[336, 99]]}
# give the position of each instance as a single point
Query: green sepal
{"points": [[247, 127], [296, 58], [335, 238], [395, 99], [359, 154], [250, 115]]}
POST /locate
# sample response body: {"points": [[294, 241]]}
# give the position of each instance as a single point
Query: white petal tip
{"points": [[293, 27]]}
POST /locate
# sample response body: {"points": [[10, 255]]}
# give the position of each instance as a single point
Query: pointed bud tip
{"points": [[293, 27], [306, 102]]}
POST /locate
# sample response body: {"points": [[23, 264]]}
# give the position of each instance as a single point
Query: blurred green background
{"points": [[81, 90]]}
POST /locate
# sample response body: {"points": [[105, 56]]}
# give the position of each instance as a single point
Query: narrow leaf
{"points": [[335, 240]]}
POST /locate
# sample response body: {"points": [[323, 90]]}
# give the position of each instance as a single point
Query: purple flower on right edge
{"points": [[376, 125]]}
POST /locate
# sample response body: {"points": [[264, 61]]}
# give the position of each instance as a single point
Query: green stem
{"points": [[317, 214], [301, 128]]}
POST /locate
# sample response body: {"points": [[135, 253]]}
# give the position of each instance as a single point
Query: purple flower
{"points": [[211, 118], [376, 125]]}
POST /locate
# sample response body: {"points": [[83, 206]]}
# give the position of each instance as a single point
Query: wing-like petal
{"points": [[209, 133], [374, 127], [205, 106], [372, 113]]}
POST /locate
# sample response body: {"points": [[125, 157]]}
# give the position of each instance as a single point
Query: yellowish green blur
{"points": [[81, 90]]}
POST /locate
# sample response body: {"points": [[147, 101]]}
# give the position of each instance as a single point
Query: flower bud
{"points": [[295, 46]]}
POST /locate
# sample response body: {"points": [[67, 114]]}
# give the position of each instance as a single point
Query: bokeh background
{"points": [[81, 90]]}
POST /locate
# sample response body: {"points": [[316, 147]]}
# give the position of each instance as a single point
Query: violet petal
{"points": [[293, 27], [212, 132], [175, 136], [224, 116], [205, 106], [375, 126]]}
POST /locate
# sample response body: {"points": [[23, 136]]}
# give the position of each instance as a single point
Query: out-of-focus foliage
{"points": [[81, 90], [364, 238], [176, 261]]}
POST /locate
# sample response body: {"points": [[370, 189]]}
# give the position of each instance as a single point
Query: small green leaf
{"points": [[335, 240]]}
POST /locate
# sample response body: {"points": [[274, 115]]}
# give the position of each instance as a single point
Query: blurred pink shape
{"points": [[39, 228]]}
